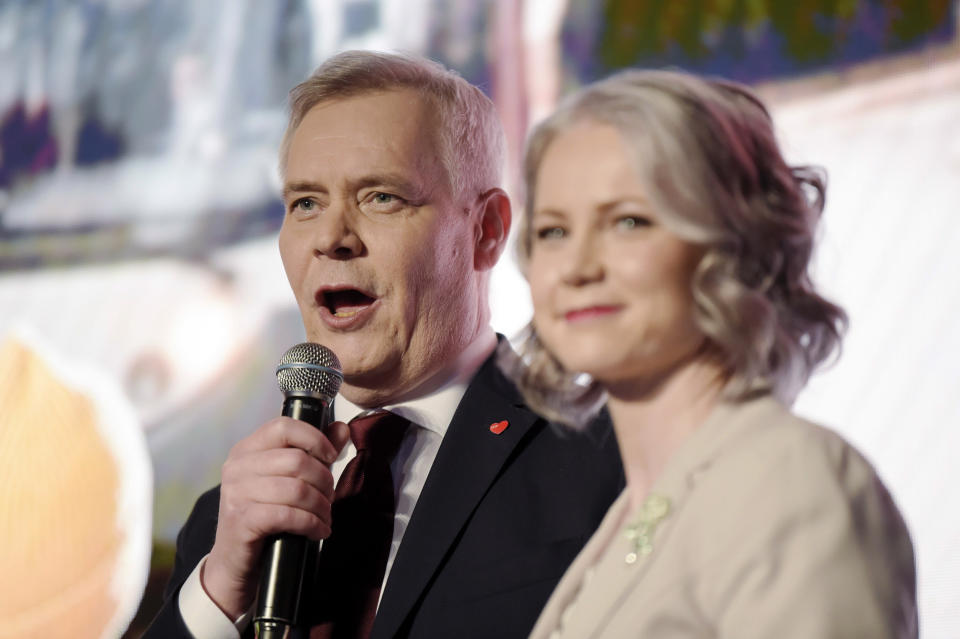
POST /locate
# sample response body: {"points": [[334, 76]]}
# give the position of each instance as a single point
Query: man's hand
{"points": [[276, 480]]}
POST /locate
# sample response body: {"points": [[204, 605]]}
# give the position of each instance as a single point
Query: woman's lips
{"points": [[590, 312]]}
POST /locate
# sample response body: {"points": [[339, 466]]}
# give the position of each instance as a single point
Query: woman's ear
{"points": [[493, 228]]}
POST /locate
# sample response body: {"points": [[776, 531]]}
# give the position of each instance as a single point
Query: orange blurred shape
{"points": [[59, 490]]}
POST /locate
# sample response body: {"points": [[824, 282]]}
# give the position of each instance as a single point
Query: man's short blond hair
{"points": [[469, 135]]}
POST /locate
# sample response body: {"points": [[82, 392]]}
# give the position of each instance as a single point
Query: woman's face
{"points": [[611, 285]]}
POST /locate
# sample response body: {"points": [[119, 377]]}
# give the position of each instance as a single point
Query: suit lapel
{"points": [[468, 462]]}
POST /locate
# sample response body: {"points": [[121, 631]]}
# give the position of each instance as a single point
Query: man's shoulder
{"points": [[490, 379], [207, 503], [210, 496], [198, 532], [492, 387]]}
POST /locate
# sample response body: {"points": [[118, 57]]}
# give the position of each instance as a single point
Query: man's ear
{"points": [[492, 228]]}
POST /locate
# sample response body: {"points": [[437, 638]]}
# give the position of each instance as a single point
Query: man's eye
{"points": [[381, 199], [380, 202], [550, 233], [303, 205]]}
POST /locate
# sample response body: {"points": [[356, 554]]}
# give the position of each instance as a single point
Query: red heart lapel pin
{"points": [[499, 427]]}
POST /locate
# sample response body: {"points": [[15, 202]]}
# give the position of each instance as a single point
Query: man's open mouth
{"points": [[344, 302]]}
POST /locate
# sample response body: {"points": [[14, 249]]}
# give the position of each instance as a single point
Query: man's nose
{"points": [[335, 235], [584, 263]]}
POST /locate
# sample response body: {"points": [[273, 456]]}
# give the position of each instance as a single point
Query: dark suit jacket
{"points": [[499, 520]]}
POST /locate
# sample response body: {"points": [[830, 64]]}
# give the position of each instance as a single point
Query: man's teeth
{"points": [[345, 313]]}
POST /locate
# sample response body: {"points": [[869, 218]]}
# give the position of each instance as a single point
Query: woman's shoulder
{"points": [[771, 476], [770, 468], [791, 502], [766, 439]]}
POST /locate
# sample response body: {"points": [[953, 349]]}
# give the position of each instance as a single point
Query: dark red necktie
{"points": [[353, 559]]}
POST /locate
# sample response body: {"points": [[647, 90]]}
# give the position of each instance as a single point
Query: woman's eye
{"points": [[628, 222], [550, 233]]}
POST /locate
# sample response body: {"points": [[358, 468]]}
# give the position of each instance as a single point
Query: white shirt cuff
{"points": [[202, 616]]}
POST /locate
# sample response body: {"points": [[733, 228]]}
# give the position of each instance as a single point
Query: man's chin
{"points": [[366, 395], [367, 380], [373, 369], [357, 352]]}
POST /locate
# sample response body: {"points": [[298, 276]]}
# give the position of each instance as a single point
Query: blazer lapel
{"points": [[726, 424], [616, 575], [467, 463]]}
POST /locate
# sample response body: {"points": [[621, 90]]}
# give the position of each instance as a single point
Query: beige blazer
{"points": [[763, 525]]}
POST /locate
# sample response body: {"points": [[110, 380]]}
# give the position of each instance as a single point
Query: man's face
{"points": [[379, 254]]}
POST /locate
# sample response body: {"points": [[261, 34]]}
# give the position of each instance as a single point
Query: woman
{"points": [[667, 245]]}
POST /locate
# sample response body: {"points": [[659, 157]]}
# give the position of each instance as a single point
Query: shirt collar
{"points": [[435, 410]]}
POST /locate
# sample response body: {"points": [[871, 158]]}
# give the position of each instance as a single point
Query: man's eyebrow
{"points": [[391, 180], [302, 186]]}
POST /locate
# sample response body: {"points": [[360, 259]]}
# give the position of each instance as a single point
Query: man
{"points": [[394, 221]]}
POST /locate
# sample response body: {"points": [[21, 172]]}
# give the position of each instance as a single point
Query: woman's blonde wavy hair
{"points": [[708, 158]]}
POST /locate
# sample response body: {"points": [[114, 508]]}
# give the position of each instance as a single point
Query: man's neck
{"points": [[458, 370]]}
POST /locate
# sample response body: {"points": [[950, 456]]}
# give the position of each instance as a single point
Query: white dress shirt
{"points": [[429, 415]]}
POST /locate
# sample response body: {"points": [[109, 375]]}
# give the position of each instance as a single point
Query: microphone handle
{"points": [[288, 559]]}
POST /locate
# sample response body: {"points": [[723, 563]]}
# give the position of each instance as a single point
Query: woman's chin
{"points": [[599, 370]]}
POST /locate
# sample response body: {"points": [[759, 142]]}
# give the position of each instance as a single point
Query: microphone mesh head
{"points": [[309, 369]]}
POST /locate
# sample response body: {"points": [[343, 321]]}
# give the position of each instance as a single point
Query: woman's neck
{"points": [[652, 418]]}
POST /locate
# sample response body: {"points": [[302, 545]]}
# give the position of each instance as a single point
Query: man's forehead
{"points": [[387, 118], [383, 106], [364, 138], [347, 160]]}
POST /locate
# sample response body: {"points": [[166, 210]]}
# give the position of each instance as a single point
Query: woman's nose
{"points": [[584, 263]]}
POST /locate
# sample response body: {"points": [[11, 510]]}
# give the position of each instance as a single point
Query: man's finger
{"points": [[286, 432], [287, 462], [338, 434]]}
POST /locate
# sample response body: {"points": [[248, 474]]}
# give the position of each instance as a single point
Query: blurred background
{"points": [[139, 203]]}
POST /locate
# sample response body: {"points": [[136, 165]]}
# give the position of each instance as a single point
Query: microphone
{"points": [[309, 376]]}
